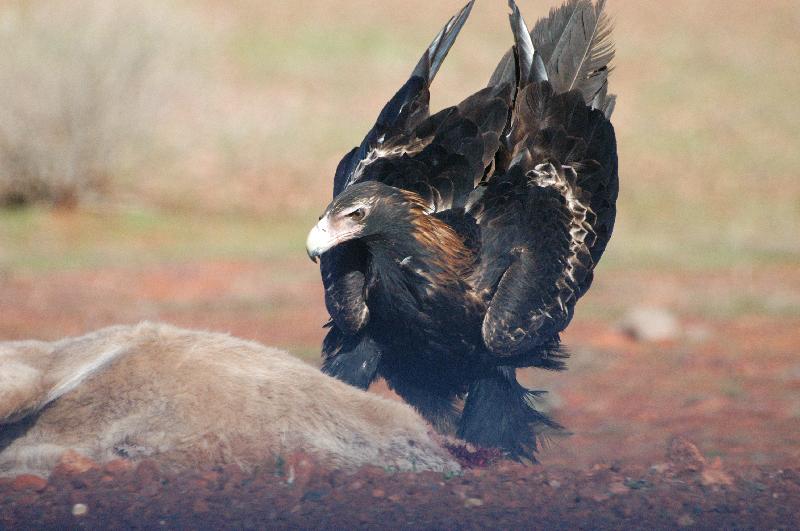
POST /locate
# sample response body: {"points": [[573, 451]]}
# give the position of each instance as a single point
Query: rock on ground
{"points": [[651, 324]]}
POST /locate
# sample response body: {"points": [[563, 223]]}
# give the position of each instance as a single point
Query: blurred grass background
{"points": [[206, 130], [164, 161]]}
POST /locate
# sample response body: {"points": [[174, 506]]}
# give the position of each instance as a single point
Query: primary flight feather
{"points": [[457, 244]]}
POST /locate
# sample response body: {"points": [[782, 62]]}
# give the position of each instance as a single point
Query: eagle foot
{"points": [[500, 413]]}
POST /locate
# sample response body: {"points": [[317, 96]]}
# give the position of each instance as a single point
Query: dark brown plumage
{"points": [[457, 244]]}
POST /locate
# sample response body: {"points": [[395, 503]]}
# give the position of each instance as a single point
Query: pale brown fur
{"points": [[188, 398]]}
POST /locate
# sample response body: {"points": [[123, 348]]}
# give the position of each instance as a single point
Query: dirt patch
{"points": [[730, 384], [685, 490], [246, 299]]}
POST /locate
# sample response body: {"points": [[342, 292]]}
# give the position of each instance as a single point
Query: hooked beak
{"points": [[324, 236], [320, 239]]}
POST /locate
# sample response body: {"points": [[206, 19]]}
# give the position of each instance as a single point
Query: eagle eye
{"points": [[357, 214]]}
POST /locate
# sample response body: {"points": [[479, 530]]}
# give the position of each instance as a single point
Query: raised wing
{"points": [[546, 219], [449, 152], [406, 110], [440, 157], [572, 48]]}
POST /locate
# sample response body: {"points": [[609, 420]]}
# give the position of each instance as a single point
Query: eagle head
{"points": [[367, 211]]}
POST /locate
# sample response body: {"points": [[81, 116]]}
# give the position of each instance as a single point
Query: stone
{"points": [[473, 502], [650, 324], [118, 466], [29, 482], [685, 456], [72, 462]]}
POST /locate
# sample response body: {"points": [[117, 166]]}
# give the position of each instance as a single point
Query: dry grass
{"points": [[707, 138], [83, 83], [275, 92], [706, 128]]}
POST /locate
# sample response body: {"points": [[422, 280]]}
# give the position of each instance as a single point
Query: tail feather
{"points": [[434, 56], [576, 47]]}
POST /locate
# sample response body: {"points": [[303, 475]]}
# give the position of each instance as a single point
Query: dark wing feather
{"points": [[343, 275], [455, 146], [522, 63], [574, 44], [441, 157], [547, 215], [407, 108], [405, 127], [342, 171], [546, 221]]}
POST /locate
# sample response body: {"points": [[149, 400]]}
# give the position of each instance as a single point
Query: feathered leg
{"points": [[351, 359], [438, 408], [499, 412]]}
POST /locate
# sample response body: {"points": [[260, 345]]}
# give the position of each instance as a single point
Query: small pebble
{"points": [[473, 502], [618, 487], [650, 324], [73, 462], [29, 482], [79, 509]]}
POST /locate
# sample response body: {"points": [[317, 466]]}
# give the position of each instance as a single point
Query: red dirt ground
{"points": [[730, 385], [685, 491]]}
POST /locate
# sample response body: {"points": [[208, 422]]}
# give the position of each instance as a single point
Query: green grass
{"points": [[266, 53], [665, 251], [38, 240]]}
